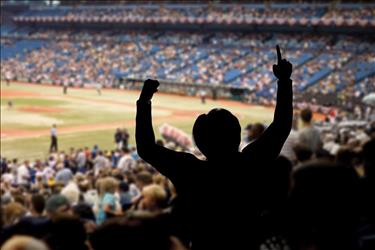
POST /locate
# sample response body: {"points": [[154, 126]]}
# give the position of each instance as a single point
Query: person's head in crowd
{"points": [[107, 185], [123, 187], [126, 151], [153, 198], [321, 211], [160, 142], [306, 116], [324, 154], [302, 152], [248, 132], [20, 198], [84, 186], [37, 204], [345, 156], [116, 173], [279, 182], [256, 131], [13, 212], [39, 177], [141, 167], [15, 161], [86, 214], [71, 192], [24, 243], [217, 133], [84, 211], [79, 177], [158, 179], [67, 232], [129, 177], [57, 204], [138, 231], [143, 179]]}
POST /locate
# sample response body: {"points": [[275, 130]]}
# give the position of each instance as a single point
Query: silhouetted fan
{"points": [[208, 214]]}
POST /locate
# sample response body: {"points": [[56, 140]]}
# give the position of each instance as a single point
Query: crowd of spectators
{"points": [[324, 64], [98, 199], [92, 198], [210, 12]]}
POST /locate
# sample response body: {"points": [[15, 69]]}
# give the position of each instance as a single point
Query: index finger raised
{"points": [[278, 54]]}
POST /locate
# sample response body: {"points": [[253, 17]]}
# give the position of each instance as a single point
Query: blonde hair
{"points": [[107, 185], [156, 193], [158, 179], [13, 212], [23, 243]]}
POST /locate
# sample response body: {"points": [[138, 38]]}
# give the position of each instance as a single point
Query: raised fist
{"points": [[149, 88], [283, 69]]}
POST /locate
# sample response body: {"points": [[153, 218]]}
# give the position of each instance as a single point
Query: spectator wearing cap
{"points": [[57, 204]]}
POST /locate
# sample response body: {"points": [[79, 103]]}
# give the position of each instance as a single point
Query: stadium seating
{"points": [[234, 59]]}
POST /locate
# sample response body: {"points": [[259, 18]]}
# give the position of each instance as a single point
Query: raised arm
{"points": [[270, 143], [168, 162]]}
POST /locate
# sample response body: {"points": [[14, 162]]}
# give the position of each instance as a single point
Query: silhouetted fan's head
{"points": [[217, 133]]}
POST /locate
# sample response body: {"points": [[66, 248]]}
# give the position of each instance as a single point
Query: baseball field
{"points": [[84, 118]]}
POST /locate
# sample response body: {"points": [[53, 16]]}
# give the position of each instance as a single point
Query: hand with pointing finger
{"points": [[283, 69]]}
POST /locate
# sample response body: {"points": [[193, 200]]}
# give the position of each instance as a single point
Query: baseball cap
{"points": [[55, 202]]}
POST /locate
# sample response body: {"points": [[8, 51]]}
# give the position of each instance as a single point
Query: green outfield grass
{"points": [[25, 127]]}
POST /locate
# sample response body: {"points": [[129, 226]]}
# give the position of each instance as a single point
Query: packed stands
{"points": [[92, 198]]}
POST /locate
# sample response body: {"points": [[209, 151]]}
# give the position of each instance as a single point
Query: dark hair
{"points": [[257, 130], [321, 204], [144, 177], [303, 153], [84, 211], [38, 203], [215, 132], [67, 232], [160, 142], [119, 177], [123, 186], [20, 199], [306, 115], [136, 232]]}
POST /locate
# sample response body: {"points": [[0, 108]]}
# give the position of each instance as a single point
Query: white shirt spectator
{"points": [[23, 175], [81, 159], [54, 132], [310, 137], [100, 162], [134, 190], [126, 163], [289, 144], [48, 172], [8, 178]]}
